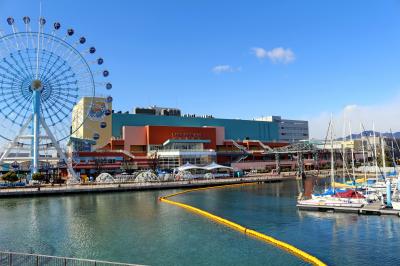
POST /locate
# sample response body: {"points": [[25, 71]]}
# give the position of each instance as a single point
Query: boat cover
{"points": [[349, 194]]}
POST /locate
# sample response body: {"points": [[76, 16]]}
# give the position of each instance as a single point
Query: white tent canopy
{"points": [[213, 166], [210, 167], [188, 166]]}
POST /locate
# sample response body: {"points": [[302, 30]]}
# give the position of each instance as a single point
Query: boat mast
{"points": [[352, 151], [383, 157], [375, 158], [344, 148], [363, 153], [332, 159]]}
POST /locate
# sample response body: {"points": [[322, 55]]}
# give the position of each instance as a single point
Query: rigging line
{"points": [[397, 145], [323, 148], [373, 150]]}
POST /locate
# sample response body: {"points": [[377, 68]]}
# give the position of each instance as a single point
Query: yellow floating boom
{"points": [[268, 239]]}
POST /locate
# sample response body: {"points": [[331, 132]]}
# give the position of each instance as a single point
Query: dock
{"points": [[48, 190], [370, 209]]}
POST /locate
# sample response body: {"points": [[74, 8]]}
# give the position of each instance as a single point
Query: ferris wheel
{"points": [[43, 75]]}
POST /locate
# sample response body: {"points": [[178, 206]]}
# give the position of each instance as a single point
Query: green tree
{"points": [[10, 177], [38, 176]]}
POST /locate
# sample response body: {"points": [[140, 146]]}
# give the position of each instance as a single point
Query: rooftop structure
{"points": [[289, 130]]}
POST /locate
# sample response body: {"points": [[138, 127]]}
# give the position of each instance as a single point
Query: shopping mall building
{"points": [[163, 138]]}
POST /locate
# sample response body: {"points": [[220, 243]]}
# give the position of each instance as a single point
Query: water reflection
{"points": [[336, 238], [130, 227]]}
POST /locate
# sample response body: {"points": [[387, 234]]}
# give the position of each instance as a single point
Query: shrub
{"points": [[38, 176], [10, 176]]}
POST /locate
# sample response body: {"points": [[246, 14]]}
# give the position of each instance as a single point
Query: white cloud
{"points": [[276, 55], [224, 69], [385, 116]]}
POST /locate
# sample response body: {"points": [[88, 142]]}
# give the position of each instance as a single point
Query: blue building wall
{"points": [[234, 128]]}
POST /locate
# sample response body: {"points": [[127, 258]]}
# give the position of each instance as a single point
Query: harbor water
{"points": [[135, 227]]}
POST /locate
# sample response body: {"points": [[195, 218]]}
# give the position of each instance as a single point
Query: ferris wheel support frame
{"points": [[41, 122], [36, 130]]}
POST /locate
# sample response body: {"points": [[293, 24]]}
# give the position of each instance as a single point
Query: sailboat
{"points": [[332, 197]]}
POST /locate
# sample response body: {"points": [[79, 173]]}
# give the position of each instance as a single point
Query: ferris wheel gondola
{"points": [[43, 75]]}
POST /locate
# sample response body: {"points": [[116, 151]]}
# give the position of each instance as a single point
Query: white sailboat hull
{"points": [[396, 205]]}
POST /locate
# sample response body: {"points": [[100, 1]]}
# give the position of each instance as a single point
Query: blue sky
{"points": [[343, 53]]}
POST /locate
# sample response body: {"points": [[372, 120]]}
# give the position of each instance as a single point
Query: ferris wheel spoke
{"points": [[61, 76], [61, 98], [61, 109], [15, 76], [20, 43], [55, 112], [67, 100], [27, 111], [9, 78], [16, 73], [5, 42], [58, 72], [78, 60], [23, 60], [45, 68], [31, 69], [6, 78], [51, 69], [22, 69], [13, 105], [10, 92]]}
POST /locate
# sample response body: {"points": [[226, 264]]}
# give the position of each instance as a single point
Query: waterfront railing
{"points": [[25, 259], [132, 185]]}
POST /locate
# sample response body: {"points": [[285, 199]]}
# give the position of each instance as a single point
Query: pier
{"points": [[131, 186], [370, 209]]}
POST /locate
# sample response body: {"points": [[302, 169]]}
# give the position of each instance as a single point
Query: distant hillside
{"points": [[396, 135]]}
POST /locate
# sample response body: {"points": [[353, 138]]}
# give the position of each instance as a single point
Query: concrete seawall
{"points": [[132, 186]]}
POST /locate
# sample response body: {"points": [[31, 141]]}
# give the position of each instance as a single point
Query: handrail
{"points": [[12, 258]]}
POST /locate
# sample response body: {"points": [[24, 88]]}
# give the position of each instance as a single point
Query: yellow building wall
{"points": [[87, 115]]}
